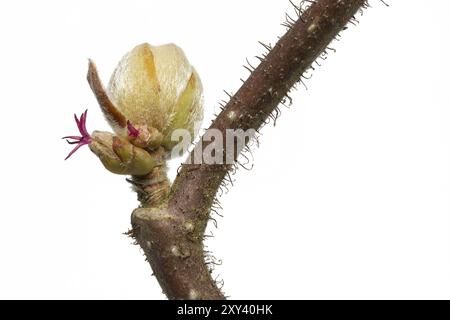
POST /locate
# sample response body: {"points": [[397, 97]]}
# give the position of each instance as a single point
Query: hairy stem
{"points": [[171, 236]]}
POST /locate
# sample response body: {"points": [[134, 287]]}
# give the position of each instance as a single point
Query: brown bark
{"points": [[171, 235]]}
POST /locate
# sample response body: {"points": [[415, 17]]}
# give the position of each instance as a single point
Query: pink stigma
{"points": [[132, 131], [80, 141]]}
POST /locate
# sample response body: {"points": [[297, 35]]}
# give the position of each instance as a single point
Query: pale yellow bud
{"points": [[156, 86]]}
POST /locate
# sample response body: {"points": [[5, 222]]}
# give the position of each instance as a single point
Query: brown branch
{"points": [[172, 236]]}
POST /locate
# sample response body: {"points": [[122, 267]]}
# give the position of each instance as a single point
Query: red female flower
{"points": [[80, 141]]}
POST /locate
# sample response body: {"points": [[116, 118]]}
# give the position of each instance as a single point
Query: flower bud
{"points": [[119, 155], [156, 87]]}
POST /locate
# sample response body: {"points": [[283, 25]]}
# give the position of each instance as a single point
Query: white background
{"points": [[349, 196]]}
